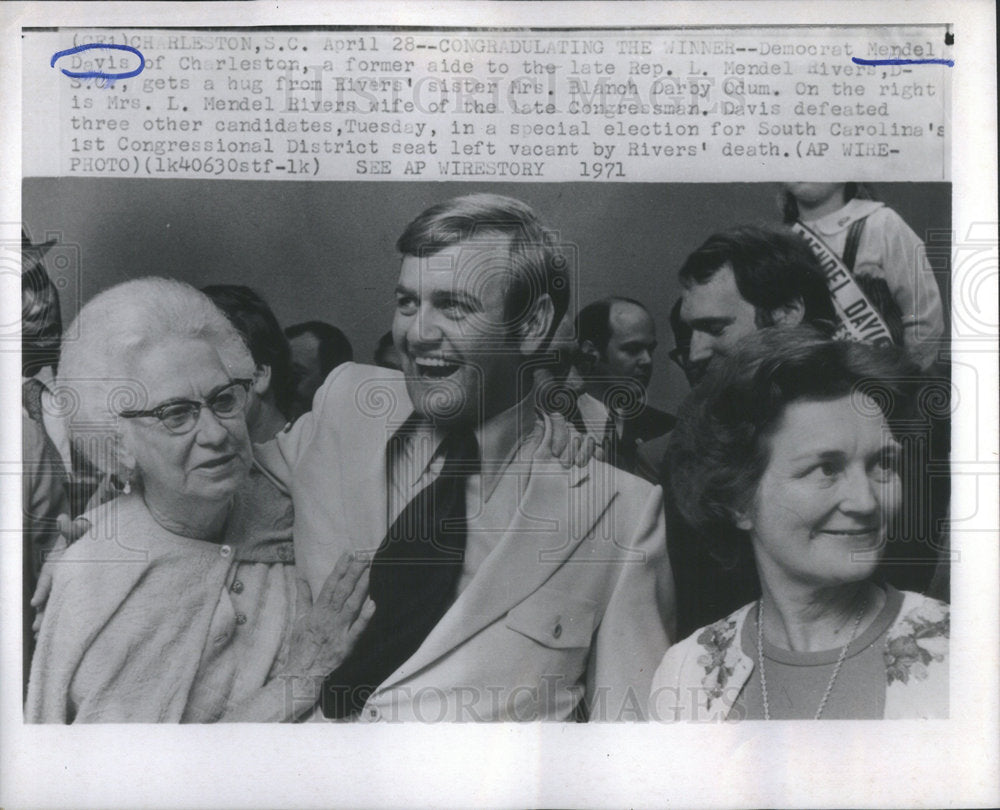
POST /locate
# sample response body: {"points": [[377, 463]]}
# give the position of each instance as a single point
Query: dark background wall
{"points": [[326, 250]]}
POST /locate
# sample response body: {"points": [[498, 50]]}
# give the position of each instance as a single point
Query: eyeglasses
{"points": [[181, 415]]}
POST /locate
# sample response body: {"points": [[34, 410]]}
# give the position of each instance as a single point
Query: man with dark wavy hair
{"points": [[744, 279]]}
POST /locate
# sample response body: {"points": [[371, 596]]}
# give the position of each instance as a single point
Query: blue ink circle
{"points": [[96, 74]]}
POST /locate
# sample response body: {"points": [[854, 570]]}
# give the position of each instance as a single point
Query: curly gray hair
{"points": [[109, 337]]}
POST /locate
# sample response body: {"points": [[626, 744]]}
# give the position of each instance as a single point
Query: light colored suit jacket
{"points": [[564, 607]]}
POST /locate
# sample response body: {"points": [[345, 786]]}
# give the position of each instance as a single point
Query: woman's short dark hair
{"points": [[717, 452]]}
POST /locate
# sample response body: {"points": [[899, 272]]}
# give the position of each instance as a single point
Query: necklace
{"points": [[836, 668]]}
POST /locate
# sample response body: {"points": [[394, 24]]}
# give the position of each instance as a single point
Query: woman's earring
{"points": [[742, 521], [127, 489]]}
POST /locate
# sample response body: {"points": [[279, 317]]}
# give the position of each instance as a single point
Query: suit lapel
{"points": [[533, 548], [365, 478]]}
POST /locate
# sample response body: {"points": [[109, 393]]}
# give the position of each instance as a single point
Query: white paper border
{"points": [[842, 763]]}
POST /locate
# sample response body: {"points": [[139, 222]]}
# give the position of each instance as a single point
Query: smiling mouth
{"points": [[435, 368], [850, 532], [215, 463]]}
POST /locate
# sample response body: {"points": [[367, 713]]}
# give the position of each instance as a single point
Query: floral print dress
{"points": [[700, 678]]}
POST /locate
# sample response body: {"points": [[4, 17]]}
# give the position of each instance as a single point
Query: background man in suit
{"points": [[317, 349], [616, 340], [273, 391], [506, 587]]}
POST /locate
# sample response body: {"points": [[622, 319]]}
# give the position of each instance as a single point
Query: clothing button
{"points": [[241, 618], [373, 713], [225, 551], [237, 587]]}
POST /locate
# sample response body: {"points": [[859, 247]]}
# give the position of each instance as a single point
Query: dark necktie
{"points": [[414, 576], [621, 452], [611, 443], [628, 447]]}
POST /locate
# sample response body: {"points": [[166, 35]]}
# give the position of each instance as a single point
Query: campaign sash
{"points": [[858, 318]]}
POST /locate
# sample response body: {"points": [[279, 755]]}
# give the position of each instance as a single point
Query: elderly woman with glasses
{"points": [[181, 603], [794, 446]]}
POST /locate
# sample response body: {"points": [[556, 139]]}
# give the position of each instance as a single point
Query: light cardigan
{"points": [[143, 625], [701, 677]]}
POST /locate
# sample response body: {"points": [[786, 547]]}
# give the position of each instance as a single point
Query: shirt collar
{"points": [[843, 218], [498, 437], [593, 412]]}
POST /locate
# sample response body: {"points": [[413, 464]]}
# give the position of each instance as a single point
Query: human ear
{"points": [[262, 380], [789, 314], [124, 457], [741, 517], [535, 328], [589, 354]]}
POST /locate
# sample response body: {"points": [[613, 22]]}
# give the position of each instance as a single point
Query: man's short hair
{"points": [[537, 267], [593, 322], [334, 347], [256, 322], [772, 268]]}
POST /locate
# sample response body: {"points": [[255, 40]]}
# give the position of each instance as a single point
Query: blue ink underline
{"points": [[859, 61]]}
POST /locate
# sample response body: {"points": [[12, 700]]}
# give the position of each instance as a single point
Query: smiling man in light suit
{"points": [[506, 587]]}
